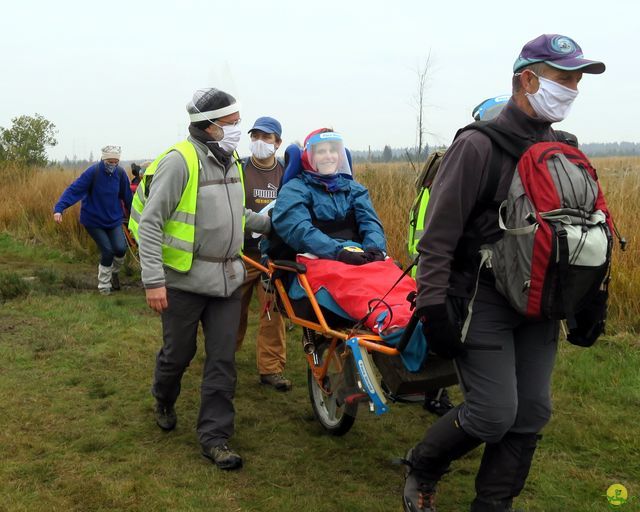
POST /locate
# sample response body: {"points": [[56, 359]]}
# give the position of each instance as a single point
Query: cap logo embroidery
{"points": [[563, 44]]}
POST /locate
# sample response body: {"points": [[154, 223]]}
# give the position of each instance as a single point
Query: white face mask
{"points": [[231, 137], [552, 101], [261, 149]]}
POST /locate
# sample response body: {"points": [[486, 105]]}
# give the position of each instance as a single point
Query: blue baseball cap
{"points": [[558, 51], [267, 125]]}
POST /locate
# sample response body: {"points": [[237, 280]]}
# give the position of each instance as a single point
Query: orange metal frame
{"points": [[131, 242], [372, 342]]}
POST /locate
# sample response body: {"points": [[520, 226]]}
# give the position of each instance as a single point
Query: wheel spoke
{"points": [[332, 407]]}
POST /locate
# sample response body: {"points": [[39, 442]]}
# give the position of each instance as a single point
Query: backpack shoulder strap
{"points": [[94, 179], [504, 140], [567, 138], [121, 173]]}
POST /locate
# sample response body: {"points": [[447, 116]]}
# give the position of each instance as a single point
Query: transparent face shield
{"points": [[327, 155]]}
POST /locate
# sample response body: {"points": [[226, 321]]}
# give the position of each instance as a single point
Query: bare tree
{"points": [[422, 74]]}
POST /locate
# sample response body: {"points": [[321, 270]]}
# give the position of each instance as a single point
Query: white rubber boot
{"points": [[104, 279], [115, 276]]}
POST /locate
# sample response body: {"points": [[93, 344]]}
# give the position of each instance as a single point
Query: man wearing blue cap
{"points": [[262, 175], [506, 360]]}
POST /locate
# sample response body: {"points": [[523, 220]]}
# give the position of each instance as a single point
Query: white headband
{"points": [[214, 114]]}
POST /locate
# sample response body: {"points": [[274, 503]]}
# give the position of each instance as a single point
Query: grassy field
{"points": [[78, 432], [77, 425]]}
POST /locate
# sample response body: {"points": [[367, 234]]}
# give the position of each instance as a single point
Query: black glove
{"points": [[443, 337], [352, 257], [374, 255], [590, 321]]}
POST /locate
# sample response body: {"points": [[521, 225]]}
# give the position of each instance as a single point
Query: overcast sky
{"points": [[122, 72]]}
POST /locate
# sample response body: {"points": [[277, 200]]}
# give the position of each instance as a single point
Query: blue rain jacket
{"points": [[292, 218], [101, 195]]}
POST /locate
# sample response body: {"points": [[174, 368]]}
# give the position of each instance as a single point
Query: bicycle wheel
{"points": [[329, 407]]}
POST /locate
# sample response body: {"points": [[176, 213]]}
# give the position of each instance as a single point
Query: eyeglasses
{"points": [[227, 123]]}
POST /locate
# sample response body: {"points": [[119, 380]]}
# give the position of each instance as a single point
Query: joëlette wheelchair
{"points": [[347, 366]]}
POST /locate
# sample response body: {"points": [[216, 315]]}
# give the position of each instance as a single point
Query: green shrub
{"points": [[12, 285], [47, 276]]}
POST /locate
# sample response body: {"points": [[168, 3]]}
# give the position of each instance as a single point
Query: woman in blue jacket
{"points": [[104, 189], [323, 211]]}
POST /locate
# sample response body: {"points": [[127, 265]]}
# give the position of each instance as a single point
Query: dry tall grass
{"points": [[620, 179], [29, 196], [392, 192], [27, 210]]}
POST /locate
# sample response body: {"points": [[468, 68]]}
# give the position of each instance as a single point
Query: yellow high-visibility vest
{"points": [[179, 230], [417, 216]]}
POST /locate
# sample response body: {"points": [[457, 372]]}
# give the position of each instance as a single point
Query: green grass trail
{"points": [[78, 432]]}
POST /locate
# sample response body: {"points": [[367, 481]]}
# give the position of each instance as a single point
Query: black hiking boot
{"points": [[438, 403], [418, 494], [223, 456], [166, 417], [443, 443], [115, 281]]}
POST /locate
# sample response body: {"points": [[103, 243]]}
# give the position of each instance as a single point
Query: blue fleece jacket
{"points": [[304, 195], [102, 207]]}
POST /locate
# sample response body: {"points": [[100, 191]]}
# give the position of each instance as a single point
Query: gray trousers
{"points": [[220, 317], [505, 374]]}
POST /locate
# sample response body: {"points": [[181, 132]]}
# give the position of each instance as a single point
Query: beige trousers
{"points": [[271, 342]]}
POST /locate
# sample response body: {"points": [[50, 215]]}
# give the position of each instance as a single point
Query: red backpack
{"points": [[555, 254]]}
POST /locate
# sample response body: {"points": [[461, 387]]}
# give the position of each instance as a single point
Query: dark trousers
{"points": [[110, 242], [505, 373], [505, 376], [219, 317]]}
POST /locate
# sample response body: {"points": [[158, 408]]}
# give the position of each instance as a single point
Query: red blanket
{"points": [[355, 289]]}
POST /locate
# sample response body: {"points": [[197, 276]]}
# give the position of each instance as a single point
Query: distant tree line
{"points": [[26, 141], [389, 154], [611, 148]]}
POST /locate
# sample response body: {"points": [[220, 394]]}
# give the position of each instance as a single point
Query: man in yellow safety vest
{"points": [[188, 215]]}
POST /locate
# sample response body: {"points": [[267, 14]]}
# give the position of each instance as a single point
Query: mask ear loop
{"points": [[520, 73]]}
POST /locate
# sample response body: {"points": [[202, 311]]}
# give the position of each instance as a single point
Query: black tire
{"points": [[336, 419]]}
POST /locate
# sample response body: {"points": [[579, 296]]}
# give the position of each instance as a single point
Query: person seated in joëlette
{"points": [[323, 211]]}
